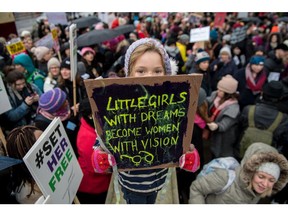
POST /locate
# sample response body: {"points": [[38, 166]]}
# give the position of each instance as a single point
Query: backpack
{"points": [[253, 134], [228, 163]]}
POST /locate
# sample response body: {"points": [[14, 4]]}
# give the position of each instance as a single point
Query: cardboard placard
{"points": [[15, 47], [145, 122], [53, 165]]}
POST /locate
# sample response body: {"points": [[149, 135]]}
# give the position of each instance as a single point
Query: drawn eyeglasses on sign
{"points": [[147, 157]]}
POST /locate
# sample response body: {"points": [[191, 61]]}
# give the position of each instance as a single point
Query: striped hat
{"points": [[139, 42], [52, 100]]}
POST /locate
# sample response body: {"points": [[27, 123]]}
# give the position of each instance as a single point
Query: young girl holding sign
{"points": [[145, 57]]}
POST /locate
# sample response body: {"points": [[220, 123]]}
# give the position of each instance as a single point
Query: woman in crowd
{"points": [[250, 81], [51, 81], [262, 173], [23, 98], [223, 111]]}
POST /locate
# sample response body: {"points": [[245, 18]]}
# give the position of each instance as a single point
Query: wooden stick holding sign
{"points": [[145, 122], [73, 60]]}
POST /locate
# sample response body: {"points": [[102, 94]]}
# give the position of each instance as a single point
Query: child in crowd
{"points": [[145, 57]]}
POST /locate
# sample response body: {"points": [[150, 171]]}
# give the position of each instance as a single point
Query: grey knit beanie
{"points": [[53, 62], [137, 43]]}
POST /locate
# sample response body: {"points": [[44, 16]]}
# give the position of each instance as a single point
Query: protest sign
{"points": [[5, 103], [53, 164], [56, 45], [15, 47], [144, 122], [242, 15], [238, 34], [6, 17], [46, 41], [57, 18], [219, 19], [199, 34]]}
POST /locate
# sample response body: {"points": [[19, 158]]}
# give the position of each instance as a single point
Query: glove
{"points": [[212, 126], [190, 161], [102, 161]]}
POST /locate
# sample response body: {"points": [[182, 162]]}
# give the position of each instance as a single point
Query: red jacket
{"points": [[93, 183]]}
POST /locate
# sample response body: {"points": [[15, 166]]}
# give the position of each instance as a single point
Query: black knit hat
{"points": [[66, 63], [273, 90], [282, 46]]}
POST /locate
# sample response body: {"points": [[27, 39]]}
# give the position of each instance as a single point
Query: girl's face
{"points": [[54, 70], [65, 73], [148, 64], [274, 39], [236, 51], [88, 56], [48, 56], [220, 93], [257, 68], [204, 65], [261, 182], [224, 57], [19, 84]]}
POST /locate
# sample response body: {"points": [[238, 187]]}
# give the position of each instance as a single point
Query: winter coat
{"points": [[21, 113], [174, 53], [167, 195], [273, 64], [49, 84], [224, 139], [92, 183], [202, 190], [222, 70], [32, 74], [247, 97], [206, 81], [265, 114]]}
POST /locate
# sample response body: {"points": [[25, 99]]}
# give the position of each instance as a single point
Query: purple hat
{"points": [[52, 100]]}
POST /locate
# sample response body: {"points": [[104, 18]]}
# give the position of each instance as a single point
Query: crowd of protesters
{"points": [[237, 75]]}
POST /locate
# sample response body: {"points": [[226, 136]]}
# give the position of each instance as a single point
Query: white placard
{"points": [[57, 18], [73, 50], [46, 41], [54, 166], [5, 103], [242, 14], [273, 76], [200, 34]]}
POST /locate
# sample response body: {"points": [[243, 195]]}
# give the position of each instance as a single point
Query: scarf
{"points": [[218, 107], [62, 113], [255, 85]]}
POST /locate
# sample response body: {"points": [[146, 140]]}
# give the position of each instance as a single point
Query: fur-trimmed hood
{"points": [[259, 153]]}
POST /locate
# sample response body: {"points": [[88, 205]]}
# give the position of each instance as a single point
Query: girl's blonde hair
{"points": [[142, 46], [139, 51]]}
